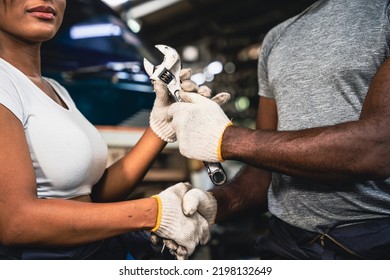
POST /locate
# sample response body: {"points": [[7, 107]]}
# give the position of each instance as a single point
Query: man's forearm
{"points": [[349, 151]]}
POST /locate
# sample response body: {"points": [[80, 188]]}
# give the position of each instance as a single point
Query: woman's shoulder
{"points": [[10, 90]]}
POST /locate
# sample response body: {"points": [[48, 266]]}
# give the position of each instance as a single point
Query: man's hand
{"points": [[196, 200], [199, 124], [181, 234], [159, 120]]}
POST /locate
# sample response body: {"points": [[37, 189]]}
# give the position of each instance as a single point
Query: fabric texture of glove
{"points": [[158, 117], [199, 124], [196, 200], [158, 120], [186, 232]]}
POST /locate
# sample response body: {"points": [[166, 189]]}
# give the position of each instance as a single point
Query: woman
{"points": [[57, 199]]}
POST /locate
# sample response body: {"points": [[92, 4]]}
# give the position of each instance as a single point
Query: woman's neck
{"points": [[25, 57]]}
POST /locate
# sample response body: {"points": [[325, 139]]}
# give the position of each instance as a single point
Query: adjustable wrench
{"points": [[169, 72]]}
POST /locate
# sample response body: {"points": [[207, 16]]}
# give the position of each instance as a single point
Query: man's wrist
{"points": [[220, 141], [225, 142]]}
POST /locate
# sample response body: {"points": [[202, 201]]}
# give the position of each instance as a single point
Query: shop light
{"points": [[95, 30], [149, 7], [134, 25], [214, 68], [114, 3], [190, 54], [208, 75], [198, 78], [242, 103]]}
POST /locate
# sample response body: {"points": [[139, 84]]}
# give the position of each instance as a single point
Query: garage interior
{"points": [[218, 39]]}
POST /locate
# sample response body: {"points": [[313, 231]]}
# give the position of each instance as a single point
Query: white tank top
{"points": [[68, 153]]}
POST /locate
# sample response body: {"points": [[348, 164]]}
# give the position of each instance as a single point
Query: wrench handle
{"points": [[216, 172]]}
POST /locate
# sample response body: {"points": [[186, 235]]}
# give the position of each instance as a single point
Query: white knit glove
{"points": [[199, 124], [158, 120], [196, 200], [158, 117], [180, 233]]}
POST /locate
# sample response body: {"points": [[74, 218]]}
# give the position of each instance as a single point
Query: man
{"points": [[319, 158]]}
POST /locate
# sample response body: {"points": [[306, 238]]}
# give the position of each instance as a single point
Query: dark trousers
{"points": [[364, 240], [133, 245]]}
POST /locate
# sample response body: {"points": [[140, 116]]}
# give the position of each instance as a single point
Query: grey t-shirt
{"points": [[318, 67]]}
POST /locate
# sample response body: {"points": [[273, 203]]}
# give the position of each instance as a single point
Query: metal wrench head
{"points": [[168, 71]]}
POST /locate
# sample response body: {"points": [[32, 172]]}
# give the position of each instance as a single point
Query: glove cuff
{"points": [[219, 147], [159, 213], [166, 217]]}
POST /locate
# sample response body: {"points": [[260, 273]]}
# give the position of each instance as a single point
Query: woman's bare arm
{"points": [[28, 220], [121, 177]]}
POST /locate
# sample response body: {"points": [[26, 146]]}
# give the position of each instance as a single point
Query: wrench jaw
{"points": [[171, 63], [149, 67], [171, 57], [163, 74], [168, 71]]}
